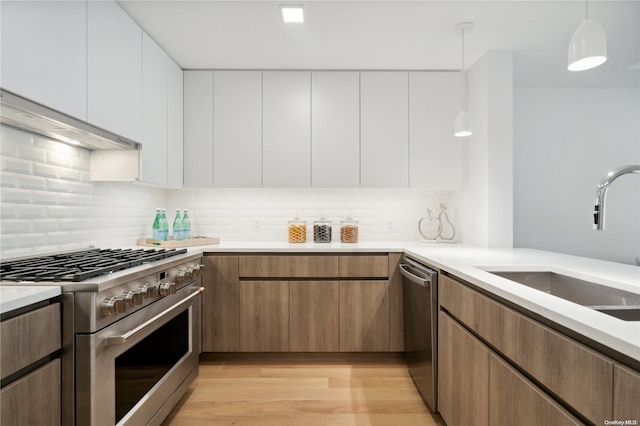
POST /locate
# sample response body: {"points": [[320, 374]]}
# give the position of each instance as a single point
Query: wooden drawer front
{"points": [[626, 393], [314, 316], [289, 266], [463, 375], [264, 316], [581, 377], [364, 316], [29, 337], [33, 400], [220, 310], [364, 266], [514, 400]]}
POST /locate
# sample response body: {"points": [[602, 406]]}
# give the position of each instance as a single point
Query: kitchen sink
{"points": [[611, 301]]}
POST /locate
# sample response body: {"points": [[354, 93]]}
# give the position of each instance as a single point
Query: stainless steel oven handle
{"points": [[404, 270], [123, 338]]}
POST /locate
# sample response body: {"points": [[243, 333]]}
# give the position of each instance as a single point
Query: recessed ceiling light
{"points": [[292, 13]]}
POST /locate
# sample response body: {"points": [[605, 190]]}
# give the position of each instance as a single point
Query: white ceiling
{"points": [[405, 35]]}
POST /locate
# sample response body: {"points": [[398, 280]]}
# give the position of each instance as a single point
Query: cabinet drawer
{"points": [[578, 375], [289, 266], [32, 336], [626, 394], [364, 266], [34, 399], [514, 400]]}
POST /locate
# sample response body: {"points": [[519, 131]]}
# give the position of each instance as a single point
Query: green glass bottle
{"points": [[164, 225], [186, 225], [155, 229], [178, 233]]}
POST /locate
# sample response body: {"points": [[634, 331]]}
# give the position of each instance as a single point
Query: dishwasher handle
{"points": [[408, 271]]}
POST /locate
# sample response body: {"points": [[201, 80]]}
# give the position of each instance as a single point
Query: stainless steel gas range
{"points": [[131, 329]]}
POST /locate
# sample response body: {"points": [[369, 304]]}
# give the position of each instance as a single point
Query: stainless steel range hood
{"points": [[31, 116]]}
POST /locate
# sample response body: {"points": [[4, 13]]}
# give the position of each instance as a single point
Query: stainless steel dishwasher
{"points": [[420, 303]]}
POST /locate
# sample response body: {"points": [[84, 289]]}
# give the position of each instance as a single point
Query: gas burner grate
{"points": [[81, 265]]}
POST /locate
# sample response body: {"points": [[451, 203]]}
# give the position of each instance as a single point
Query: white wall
{"points": [[565, 141], [48, 204], [486, 201]]}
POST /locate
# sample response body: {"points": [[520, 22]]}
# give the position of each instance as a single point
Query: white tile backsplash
{"points": [[49, 204], [263, 214]]}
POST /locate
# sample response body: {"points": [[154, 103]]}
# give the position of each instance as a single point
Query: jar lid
{"points": [[296, 220], [349, 219], [322, 219]]}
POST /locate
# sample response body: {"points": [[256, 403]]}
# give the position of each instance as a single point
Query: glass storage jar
{"points": [[349, 230], [322, 230], [297, 230]]}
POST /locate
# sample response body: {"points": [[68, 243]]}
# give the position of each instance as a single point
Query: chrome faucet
{"points": [[601, 192]]}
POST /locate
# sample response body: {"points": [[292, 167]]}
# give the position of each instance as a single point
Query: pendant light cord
{"points": [[462, 79], [586, 9]]}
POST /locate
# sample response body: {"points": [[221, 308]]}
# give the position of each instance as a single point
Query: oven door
{"points": [[135, 370]]}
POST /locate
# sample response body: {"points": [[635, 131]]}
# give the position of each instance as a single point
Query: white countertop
{"points": [[15, 297], [468, 262]]}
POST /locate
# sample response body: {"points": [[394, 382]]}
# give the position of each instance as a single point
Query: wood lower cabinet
{"points": [[321, 302], [514, 400], [626, 393], [463, 375], [537, 375], [31, 392], [576, 374], [34, 399], [264, 316], [220, 308], [31, 337], [364, 316], [314, 316]]}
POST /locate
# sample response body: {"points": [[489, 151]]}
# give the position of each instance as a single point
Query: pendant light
{"points": [[462, 127], [588, 45]]}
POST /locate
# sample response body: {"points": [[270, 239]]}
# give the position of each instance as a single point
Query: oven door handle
{"points": [[124, 338]]}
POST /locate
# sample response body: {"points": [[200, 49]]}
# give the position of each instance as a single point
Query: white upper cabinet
{"points": [[174, 125], [198, 129], [384, 138], [237, 129], [153, 161], [44, 53], [114, 70], [286, 133], [435, 161], [335, 129]]}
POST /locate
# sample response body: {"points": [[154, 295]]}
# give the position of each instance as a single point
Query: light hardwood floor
{"points": [[243, 393]]}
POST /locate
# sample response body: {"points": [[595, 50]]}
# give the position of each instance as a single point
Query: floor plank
{"points": [[308, 394]]}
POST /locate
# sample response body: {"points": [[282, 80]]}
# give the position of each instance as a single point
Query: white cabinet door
{"points": [[286, 131], [335, 129], [44, 53], [198, 129], [114, 70], [435, 160], [153, 161], [237, 129], [175, 125], [384, 139]]}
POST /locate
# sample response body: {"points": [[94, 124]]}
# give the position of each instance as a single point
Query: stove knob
{"points": [[166, 288], [132, 298], [113, 306], [146, 290], [197, 269], [183, 275]]}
